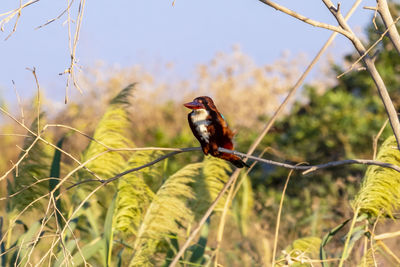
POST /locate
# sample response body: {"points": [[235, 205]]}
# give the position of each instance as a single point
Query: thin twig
{"points": [[278, 219], [361, 57], [388, 251], [349, 234], [137, 168], [73, 42], [18, 135], [10, 14], [33, 70], [387, 235], [376, 138], [58, 17], [27, 187], [21, 108]]}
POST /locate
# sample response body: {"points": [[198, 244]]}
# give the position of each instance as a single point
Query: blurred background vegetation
{"points": [[149, 213]]}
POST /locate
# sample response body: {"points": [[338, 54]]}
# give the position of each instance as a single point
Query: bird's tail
{"points": [[235, 160]]}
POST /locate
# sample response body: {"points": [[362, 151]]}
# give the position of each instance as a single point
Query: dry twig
{"points": [[11, 14]]}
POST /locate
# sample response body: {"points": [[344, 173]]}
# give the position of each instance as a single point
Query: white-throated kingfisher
{"points": [[211, 129]]}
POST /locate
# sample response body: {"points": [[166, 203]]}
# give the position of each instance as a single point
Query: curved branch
{"points": [[305, 169], [305, 19], [177, 151], [312, 168]]}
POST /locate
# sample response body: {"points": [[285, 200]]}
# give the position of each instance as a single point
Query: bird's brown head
{"points": [[201, 102]]}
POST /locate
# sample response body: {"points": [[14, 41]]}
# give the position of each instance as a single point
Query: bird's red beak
{"points": [[194, 105]]}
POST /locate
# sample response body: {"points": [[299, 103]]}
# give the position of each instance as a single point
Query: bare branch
{"points": [[73, 42], [384, 12], [367, 51], [312, 168], [58, 17], [177, 151], [278, 218], [33, 70], [306, 169], [369, 63], [21, 108], [305, 19], [346, 31], [376, 138], [12, 13]]}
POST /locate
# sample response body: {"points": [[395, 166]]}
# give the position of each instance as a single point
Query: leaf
{"points": [[173, 249], [2, 245], [55, 173], [24, 244], [88, 251], [356, 234], [69, 248], [70, 243], [108, 232], [199, 248], [91, 211], [328, 238], [243, 205]]}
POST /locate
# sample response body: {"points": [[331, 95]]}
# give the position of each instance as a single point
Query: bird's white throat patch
{"points": [[199, 119]]}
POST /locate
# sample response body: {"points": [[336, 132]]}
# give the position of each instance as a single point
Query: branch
{"points": [[367, 51], [369, 63], [73, 42], [178, 151], [58, 17], [312, 168], [305, 19], [13, 13], [384, 12], [306, 169], [346, 31]]}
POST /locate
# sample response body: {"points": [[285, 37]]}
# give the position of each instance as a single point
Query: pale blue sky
{"points": [[129, 32]]}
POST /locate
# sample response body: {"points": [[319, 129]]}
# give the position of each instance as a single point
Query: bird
{"points": [[211, 129]]}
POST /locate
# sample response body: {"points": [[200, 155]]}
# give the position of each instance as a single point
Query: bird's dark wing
{"points": [[224, 125]]}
